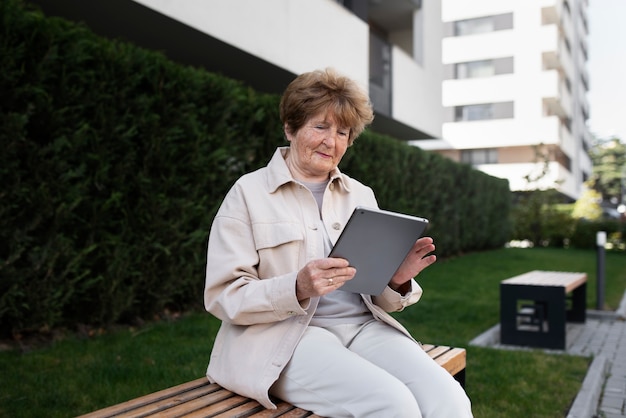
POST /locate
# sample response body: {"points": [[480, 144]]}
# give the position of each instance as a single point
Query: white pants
{"points": [[370, 370]]}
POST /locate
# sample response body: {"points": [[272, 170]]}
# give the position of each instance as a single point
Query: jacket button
{"points": [[337, 226], [332, 186]]}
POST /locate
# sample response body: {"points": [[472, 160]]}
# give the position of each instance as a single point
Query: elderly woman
{"points": [[288, 330]]}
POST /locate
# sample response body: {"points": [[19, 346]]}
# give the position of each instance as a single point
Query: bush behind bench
{"points": [[114, 161]]}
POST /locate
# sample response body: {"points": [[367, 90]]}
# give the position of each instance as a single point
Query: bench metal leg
{"points": [[578, 300], [460, 377], [551, 331]]}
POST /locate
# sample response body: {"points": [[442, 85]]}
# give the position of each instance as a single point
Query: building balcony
{"points": [[501, 133], [392, 15], [398, 86], [557, 99], [549, 12], [477, 47], [499, 88], [411, 85]]}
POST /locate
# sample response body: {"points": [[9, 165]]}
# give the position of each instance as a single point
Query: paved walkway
{"points": [[603, 338]]}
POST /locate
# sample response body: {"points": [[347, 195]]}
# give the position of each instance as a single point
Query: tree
{"points": [[534, 213], [588, 205], [609, 164]]}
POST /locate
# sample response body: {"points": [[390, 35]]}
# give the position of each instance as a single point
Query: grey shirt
{"points": [[337, 307]]}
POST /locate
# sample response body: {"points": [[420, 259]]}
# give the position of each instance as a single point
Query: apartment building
{"points": [[514, 91], [500, 84]]}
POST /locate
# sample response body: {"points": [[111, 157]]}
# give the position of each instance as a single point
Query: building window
{"points": [[567, 123], [473, 112], [474, 69], [483, 24], [583, 48], [483, 68], [566, 7], [585, 145], [380, 74], [567, 45], [483, 111], [479, 156], [568, 84]]}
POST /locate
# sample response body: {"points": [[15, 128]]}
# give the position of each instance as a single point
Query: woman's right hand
{"points": [[322, 276]]}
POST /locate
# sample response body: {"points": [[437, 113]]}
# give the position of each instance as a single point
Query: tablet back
{"points": [[376, 242]]}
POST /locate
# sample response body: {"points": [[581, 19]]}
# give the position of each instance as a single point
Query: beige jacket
{"points": [[263, 233]]}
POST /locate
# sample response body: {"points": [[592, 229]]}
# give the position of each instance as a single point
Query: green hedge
{"points": [[114, 161]]}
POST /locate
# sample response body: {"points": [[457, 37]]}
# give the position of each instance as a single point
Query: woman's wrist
{"points": [[401, 289]]}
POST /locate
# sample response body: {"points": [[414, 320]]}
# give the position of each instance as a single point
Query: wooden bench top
{"points": [[450, 358], [568, 280], [199, 398]]}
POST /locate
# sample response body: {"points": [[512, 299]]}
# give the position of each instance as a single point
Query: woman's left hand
{"points": [[416, 261]]}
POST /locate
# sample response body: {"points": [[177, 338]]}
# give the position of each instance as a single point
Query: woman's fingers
{"points": [[319, 277], [416, 261]]}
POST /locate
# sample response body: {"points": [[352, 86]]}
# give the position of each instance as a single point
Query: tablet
{"points": [[375, 242]]}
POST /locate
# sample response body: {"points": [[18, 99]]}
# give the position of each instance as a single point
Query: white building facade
{"points": [[515, 91], [381, 44], [487, 82]]}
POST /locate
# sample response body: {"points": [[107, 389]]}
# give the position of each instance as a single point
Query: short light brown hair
{"points": [[326, 90]]}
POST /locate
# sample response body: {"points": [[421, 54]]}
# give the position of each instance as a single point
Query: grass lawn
{"points": [[75, 374]]}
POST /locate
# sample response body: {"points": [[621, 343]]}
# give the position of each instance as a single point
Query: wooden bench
{"points": [[199, 398], [536, 306]]}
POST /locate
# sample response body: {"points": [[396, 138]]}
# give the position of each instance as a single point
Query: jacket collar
{"points": [[279, 174]]}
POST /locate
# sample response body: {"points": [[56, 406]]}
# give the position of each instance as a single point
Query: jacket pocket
{"points": [[270, 235], [279, 246]]}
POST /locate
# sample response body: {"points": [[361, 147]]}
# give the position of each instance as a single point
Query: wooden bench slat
{"points": [[160, 407], [282, 408], [197, 387], [435, 352], [450, 358], [245, 409], [199, 398], [297, 413], [453, 360], [212, 404], [576, 283], [427, 347], [257, 410], [224, 405]]}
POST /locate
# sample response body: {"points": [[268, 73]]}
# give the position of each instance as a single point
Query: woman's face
{"points": [[317, 148]]}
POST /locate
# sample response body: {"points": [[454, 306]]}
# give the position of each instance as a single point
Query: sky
{"points": [[607, 68]]}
